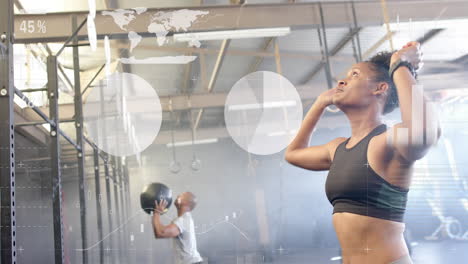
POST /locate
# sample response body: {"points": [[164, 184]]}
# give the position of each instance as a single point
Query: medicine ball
{"points": [[155, 192]]}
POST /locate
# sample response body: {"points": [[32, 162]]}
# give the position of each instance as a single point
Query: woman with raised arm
{"points": [[370, 172]]}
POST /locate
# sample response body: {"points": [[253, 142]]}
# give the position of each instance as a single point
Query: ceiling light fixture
{"points": [[232, 34], [432, 24], [196, 142]]}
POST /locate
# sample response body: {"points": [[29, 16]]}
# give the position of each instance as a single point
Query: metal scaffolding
{"points": [[7, 137], [79, 137], [7, 155], [97, 183], [55, 158]]}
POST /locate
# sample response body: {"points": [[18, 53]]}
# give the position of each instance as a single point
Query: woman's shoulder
{"points": [[334, 144]]}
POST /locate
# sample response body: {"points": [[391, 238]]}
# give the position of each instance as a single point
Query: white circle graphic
{"points": [[122, 115], [263, 112]]}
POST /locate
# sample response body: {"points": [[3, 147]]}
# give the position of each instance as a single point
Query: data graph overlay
{"points": [[263, 112], [123, 115]]}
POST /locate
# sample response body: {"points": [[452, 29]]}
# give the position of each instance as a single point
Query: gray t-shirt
{"points": [[185, 243]]}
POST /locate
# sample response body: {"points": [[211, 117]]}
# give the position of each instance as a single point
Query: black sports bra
{"points": [[353, 186]]}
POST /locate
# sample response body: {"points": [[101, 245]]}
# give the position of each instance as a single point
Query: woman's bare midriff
{"points": [[369, 240]]}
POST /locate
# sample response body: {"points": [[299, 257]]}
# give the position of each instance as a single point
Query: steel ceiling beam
{"points": [[230, 17]]}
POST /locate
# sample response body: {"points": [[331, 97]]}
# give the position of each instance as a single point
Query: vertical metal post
{"points": [[97, 183], [116, 199], [123, 216], [102, 137], [127, 185], [52, 93], [7, 133], [324, 47], [356, 38], [116, 189], [79, 141], [353, 45], [123, 185], [108, 199], [127, 203]]}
